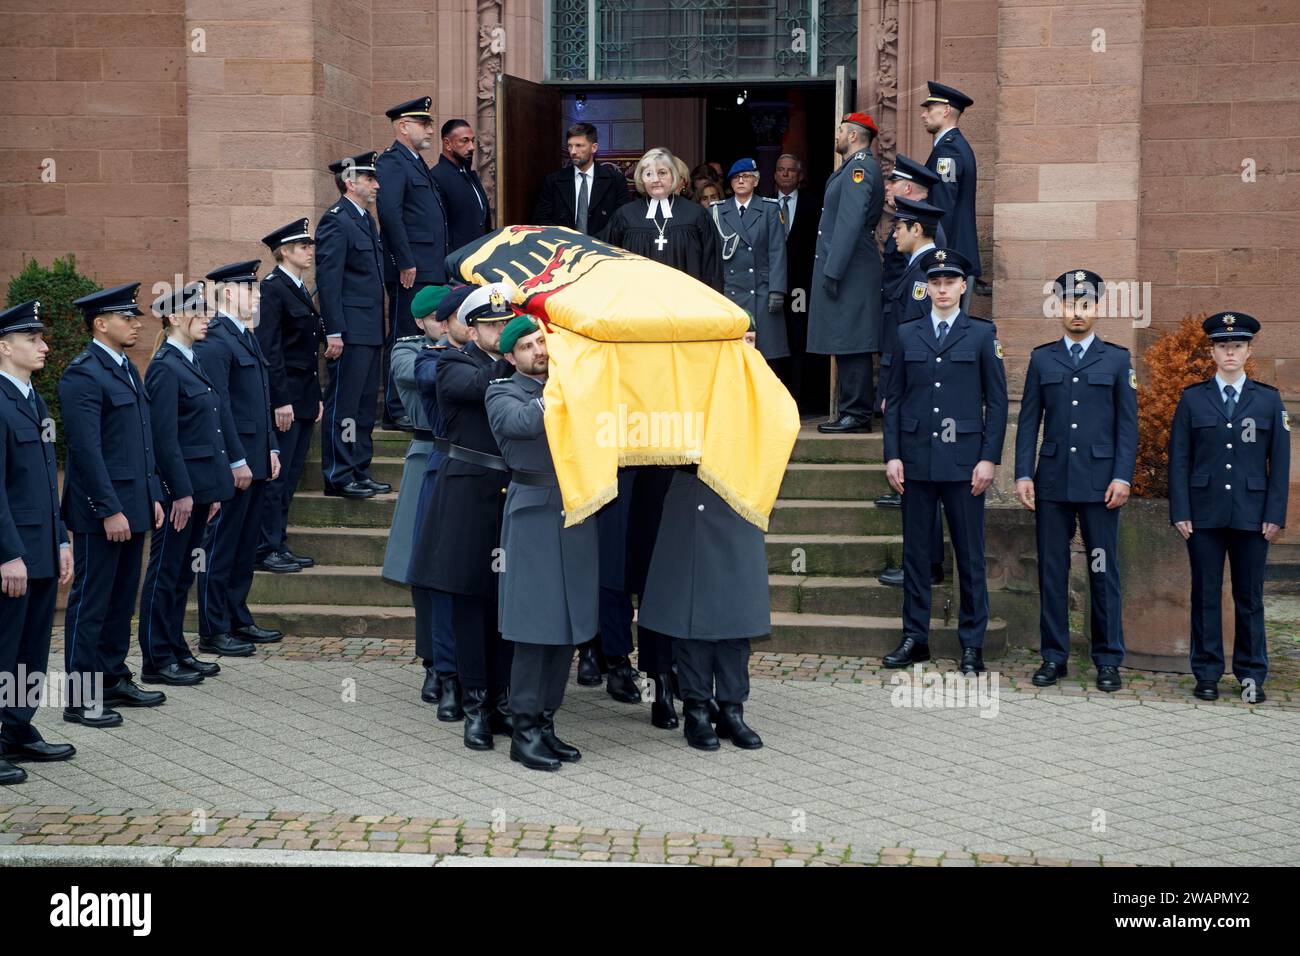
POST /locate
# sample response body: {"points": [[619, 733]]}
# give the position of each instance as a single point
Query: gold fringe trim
{"points": [[754, 517], [582, 513], [630, 458]]}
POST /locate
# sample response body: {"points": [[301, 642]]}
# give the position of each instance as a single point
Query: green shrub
{"points": [[56, 287]]}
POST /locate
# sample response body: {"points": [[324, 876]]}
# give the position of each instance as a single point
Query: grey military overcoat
{"points": [[397, 555], [753, 264]]}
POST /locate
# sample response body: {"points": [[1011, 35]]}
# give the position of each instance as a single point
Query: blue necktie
{"points": [[1077, 351], [943, 332], [1229, 399]]}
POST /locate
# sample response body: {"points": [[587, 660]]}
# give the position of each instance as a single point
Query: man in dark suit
{"points": [[584, 194], [945, 418], [800, 209], [350, 288], [468, 214], [35, 557], [953, 161], [111, 498], [1083, 392], [237, 368], [289, 330], [413, 224]]}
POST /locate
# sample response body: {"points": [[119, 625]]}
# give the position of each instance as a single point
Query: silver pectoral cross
{"points": [[661, 241]]}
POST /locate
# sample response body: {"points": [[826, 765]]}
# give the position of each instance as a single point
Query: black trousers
{"points": [[279, 493], [97, 624], [400, 325], [966, 525], [855, 385], [791, 370], [351, 391], [482, 655], [1054, 525], [25, 624], [174, 557], [714, 669], [655, 651], [231, 548], [538, 675], [434, 643], [615, 622], [1247, 552]]}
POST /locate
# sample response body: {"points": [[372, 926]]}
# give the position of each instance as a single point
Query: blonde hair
{"points": [[654, 157]]}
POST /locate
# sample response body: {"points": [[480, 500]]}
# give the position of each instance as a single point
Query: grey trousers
{"points": [[537, 678], [714, 669]]}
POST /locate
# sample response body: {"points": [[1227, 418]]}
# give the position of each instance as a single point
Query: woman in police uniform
{"points": [[189, 421], [1229, 464]]}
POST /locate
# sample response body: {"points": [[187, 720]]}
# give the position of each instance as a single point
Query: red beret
{"points": [[862, 119]]}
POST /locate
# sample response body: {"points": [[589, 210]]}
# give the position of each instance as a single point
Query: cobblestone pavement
{"points": [[846, 775]]}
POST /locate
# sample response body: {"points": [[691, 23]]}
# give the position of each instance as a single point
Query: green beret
{"points": [[516, 329], [753, 325], [427, 299]]}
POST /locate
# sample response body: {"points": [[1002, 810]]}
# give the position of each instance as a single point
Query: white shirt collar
{"points": [[935, 320], [187, 352], [578, 174], [296, 281], [741, 205], [24, 387], [924, 248], [118, 357], [1086, 343], [665, 205], [1238, 385]]}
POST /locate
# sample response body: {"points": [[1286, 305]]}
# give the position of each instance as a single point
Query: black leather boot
{"points": [[499, 717], [478, 730], [432, 689], [621, 683], [697, 730], [566, 753], [663, 712], [449, 709], [588, 665], [527, 746], [713, 710], [732, 726]]}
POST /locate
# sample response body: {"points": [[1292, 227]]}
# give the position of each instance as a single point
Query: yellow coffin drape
{"points": [[647, 366]]}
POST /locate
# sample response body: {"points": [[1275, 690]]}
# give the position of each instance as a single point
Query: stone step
{"points": [[341, 585], [332, 620], [313, 509], [832, 554], [340, 546], [813, 516], [388, 444], [388, 470], [835, 482]]}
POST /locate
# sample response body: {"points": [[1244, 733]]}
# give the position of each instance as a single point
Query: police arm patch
{"points": [[859, 175], [919, 291], [997, 348], [945, 166], [1132, 379], [1286, 420]]}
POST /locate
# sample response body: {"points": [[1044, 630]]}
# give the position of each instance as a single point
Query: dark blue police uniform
{"points": [[953, 161]]}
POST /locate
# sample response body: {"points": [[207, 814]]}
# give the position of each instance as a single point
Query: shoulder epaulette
{"points": [[506, 379], [861, 154], [270, 275], [1194, 384], [774, 202], [411, 338], [717, 202], [1046, 345], [1271, 388], [80, 358], [334, 209], [979, 318]]}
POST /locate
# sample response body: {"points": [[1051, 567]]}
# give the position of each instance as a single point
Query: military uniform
{"points": [[238, 370], [350, 288], [953, 161], [110, 470], [1229, 465], [847, 324], [893, 262], [289, 331], [1085, 399], [946, 410], [31, 530], [190, 422]]}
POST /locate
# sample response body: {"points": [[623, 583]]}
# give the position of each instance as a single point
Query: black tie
{"points": [[742, 212], [1077, 351], [1229, 399]]}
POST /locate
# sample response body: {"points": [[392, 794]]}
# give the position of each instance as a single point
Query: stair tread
{"points": [[857, 504], [859, 620], [826, 581], [836, 466], [835, 538], [337, 610]]}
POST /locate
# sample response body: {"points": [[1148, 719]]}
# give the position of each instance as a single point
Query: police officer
{"points": [[1229, 464], [434, 641], [190, 423], [911, 181], [945, 417], [35, 556], [753, 256], [289, 330], [953, 161], [350, 287], [111, 497], [468, 501], [413, 224], [1083, 392], [234, 362], [844, 314], [550, 579]]}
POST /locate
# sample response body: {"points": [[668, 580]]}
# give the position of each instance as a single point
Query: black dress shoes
{"points": [[206, 668], [891, 500], [845, 424], [1049, 673], [378, 487], [38, 751], [449, 709], [891, 577], [1206, 690], [277, 562], [403, 424], [972, 661], [353, 489], [127, 694], [258, 635], [1258, 697], [10, 775], [478, 729], [529, 748], [1108, 678], [224, 645], [176, 674], [588, 665], [732, 726], [621, 683], [89, 717], [697, 730], [302, 559], [565, 753], [663, 712], [432, 689], [911, 651]]}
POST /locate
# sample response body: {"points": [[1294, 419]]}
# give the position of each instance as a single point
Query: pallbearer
{"points": [[190, 423], [1083, 392], [548, 588], [35, 556], [1229, 464]]}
